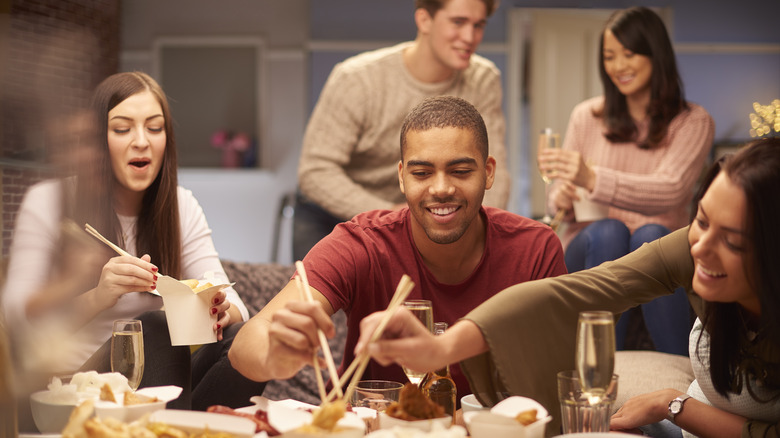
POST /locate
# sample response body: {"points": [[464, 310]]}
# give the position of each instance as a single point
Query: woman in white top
{"points": [[127, 189]]}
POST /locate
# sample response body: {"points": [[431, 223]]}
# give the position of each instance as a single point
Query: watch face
{"points": [[675, 407]]}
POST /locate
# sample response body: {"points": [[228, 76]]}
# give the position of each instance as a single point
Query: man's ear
{"points": [[423, 20], [490, 172], [401, 175]]}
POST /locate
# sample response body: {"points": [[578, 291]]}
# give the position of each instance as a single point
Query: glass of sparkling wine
{"points": [[595, 355], [548, 139], [423, 310], [127, 350]]}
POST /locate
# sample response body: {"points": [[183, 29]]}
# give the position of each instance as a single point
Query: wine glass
{"points": [[548, 139], [423, 310], [127, 350], [595, 357]]}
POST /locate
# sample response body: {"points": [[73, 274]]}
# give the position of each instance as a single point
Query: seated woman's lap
{"points": [[206, 377], [601, 241]]}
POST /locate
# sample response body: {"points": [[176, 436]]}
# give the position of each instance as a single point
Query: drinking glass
{"points": [[595, 355], [423, 310], [548, 139], [127, 350]]}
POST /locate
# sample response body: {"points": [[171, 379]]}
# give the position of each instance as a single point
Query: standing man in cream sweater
{"points": [[350, 150]]}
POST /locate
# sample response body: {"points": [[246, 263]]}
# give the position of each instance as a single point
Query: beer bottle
{"points": [[438, 385]]}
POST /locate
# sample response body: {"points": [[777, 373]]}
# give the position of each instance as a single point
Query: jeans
{"points": [[662, 429], [206, 376], [667, 318], [310, 224]]}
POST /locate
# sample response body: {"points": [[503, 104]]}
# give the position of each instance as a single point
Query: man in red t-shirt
{"points": [[457, 252]]}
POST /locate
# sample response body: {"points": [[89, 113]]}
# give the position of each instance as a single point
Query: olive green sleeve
{"points": [[530, 327]]}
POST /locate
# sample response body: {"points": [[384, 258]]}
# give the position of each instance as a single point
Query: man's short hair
{"points": [[446, 112], [433, 6]]}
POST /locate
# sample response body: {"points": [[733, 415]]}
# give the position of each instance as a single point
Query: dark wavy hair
{"points": [[755, 168], [642, 31], [158, 227]]}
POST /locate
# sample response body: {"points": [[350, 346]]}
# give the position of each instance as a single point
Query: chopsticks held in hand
{"points": [[91, 230], [304, 285], [360, 363]]}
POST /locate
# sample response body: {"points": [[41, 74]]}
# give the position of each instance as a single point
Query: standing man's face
{"points": [[455, 32], [444, 177]]}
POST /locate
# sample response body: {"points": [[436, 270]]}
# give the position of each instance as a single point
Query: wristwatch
{"points": [[676, 406]]}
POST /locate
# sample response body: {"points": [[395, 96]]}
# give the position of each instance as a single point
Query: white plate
{"points": [[196, 421]]}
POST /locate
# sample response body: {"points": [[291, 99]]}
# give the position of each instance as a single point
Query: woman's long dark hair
{"points": [[158, 229], [641, 30], [756, 170]]}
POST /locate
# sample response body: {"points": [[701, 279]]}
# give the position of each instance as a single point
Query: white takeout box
{"points": [[288, 415], [586, 210], [500, 421], [118, 411], [189, 320]]}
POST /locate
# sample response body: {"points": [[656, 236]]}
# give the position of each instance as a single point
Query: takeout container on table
{"points": [[287, 416], [190, 321], [388, 422], [499, 421], [118, 411]]}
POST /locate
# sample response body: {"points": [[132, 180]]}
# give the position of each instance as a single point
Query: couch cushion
{"points": [[647, 371]]}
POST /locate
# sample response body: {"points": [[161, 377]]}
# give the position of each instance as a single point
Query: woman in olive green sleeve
{"points": [[518, 340]]}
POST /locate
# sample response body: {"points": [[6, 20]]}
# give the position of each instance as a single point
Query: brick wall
{"points": [[57, 51]]}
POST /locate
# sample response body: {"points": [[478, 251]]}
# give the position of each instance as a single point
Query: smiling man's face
{"points": [[444, 177]]}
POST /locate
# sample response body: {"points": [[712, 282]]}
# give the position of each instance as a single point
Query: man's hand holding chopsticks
{"points": [[292, 334]]}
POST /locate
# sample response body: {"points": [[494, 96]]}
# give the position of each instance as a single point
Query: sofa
{"points": [[640, 371]]}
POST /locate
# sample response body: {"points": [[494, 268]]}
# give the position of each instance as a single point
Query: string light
{"points": [[765, 119]]}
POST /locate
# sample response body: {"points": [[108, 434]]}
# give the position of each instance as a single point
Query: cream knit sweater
{"points": [[351, 148]]}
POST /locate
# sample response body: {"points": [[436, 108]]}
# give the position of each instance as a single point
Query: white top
{"points": [[703, 390], [35, 242]]}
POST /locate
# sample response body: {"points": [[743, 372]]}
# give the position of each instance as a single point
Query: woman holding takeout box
{"points": [[126, 188]]}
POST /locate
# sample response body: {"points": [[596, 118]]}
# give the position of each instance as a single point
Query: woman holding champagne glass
{"points": [[726, 260], [638, 149], [126, 188]]}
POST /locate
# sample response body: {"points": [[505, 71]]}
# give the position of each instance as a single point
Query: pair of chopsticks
{"points": [[358, 366], [302, 282], [557, 219]]}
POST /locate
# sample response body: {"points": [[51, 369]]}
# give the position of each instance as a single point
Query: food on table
{"points": [[260, 417], [82, 386], [193, 284], [82, 424], [413, 405], [106, 394], [132, 398], [526, 417], [328, 414]]}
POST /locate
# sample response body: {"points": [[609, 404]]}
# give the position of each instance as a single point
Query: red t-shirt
{"points": [[358, 266]]}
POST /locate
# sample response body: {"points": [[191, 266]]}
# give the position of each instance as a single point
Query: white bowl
{"points": [[49, 417], [470, 403], [388, 422]]}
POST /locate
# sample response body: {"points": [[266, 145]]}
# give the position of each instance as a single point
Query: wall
{"points": [[727, 60]]}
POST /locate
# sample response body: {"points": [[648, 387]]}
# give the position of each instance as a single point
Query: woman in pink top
{"points": [[639, 149]]}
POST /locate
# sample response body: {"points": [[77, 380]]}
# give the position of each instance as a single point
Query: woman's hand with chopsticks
{"points": [[407, 342], [124, 274]]}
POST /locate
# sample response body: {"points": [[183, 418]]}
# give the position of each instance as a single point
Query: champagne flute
{"points": [[595, 357], [548, 139], [127, 350], [423, 310]]}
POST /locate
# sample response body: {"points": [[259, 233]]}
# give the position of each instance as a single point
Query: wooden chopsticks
{"points": [[95, 233], [402, 291], [304, 285]]}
